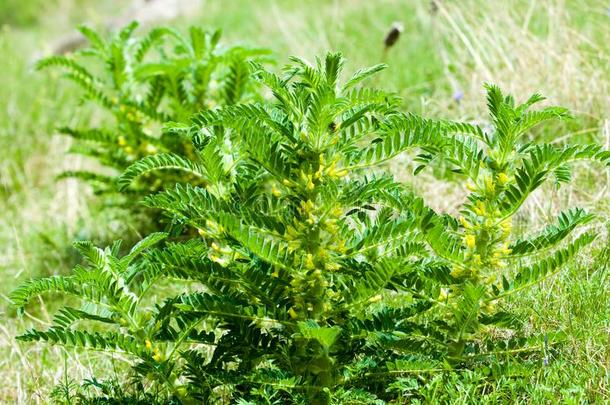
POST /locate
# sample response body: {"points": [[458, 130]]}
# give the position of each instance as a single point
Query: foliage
{"points": [[315, 277], [489, 260], [142, 82]]}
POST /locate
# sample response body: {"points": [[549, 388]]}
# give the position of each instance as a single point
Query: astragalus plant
{"points": [[141, 82], [490, 259]]}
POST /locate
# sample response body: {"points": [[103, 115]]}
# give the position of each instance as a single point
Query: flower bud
{"points": [[502, 178], [470, 241]]}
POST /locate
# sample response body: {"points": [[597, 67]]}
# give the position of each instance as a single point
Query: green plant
{"points": [[289, 256], [315, 279], [140, 83], [489, 259]]}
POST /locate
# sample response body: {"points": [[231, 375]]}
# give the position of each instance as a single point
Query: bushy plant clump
{"points": [[141, 83], [315, 277], [488, 259]]}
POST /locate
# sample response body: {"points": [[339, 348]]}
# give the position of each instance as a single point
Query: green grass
{"points": [[562, 52]]}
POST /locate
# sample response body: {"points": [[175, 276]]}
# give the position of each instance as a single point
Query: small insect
{"points": [[393, 35]]}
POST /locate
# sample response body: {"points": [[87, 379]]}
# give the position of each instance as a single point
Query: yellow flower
{"points": [[498, 263], [507, 227], [318, 174], [201, 232], [121, 140], [375, 298], [471, 186], [128, 150], [476, 259], [214, 227], [148, 344], [490, 306], [333, 172], [331, 226], [479, 209], [470, 241], [336, 212], [293, 314], [310, 185], [157, 356], [309, 261], [322, 159], [331, 223], [502, 178], [341, 246], [457, 271], [465, 223], [275, 191], [307, 206], [223, 261], [332, 266]]}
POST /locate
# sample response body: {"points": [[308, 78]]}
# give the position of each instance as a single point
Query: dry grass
{"points": [[526, 46]]}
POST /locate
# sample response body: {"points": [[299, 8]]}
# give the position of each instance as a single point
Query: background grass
{"points": [[556, 47]]}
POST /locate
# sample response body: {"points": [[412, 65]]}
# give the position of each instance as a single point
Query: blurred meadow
{"points": [[447, 50]]}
